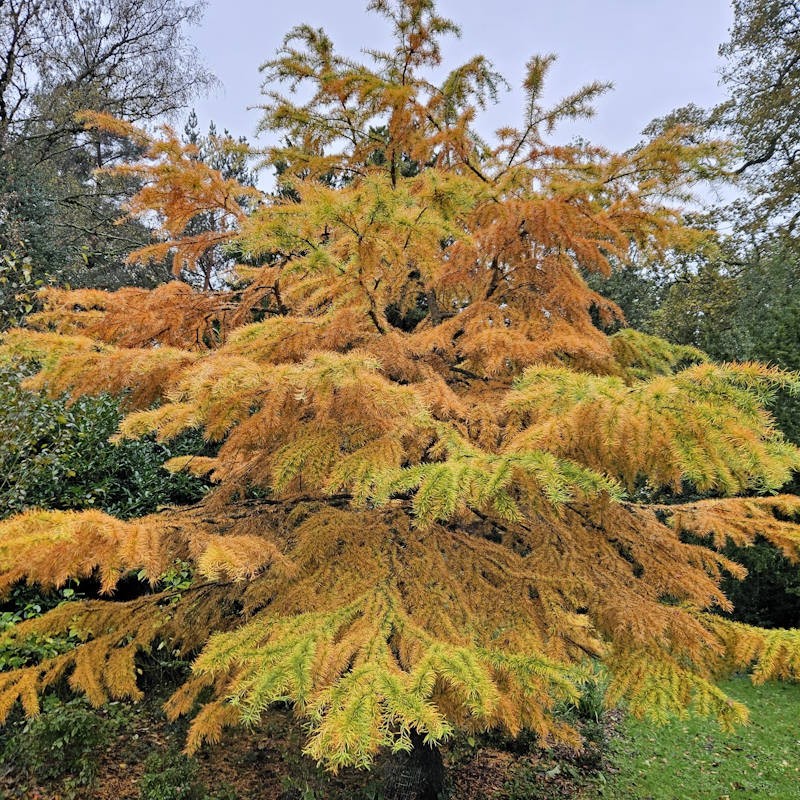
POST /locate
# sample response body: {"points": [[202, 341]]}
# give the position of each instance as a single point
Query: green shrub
{"points": [[174, 777], [65, 740], [26, 602], [770, 594], [55, 455], [18, 285]]}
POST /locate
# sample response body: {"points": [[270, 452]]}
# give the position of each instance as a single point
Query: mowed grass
{"points": [[695, 760]]}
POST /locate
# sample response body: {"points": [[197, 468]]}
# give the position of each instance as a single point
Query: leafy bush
{"points": [[26, 602], [55, 455], [64, 740], [18, 286], [174, 777], [770, 594]]}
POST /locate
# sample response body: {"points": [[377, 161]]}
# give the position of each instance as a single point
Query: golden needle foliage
{"points": [[426, 446]]}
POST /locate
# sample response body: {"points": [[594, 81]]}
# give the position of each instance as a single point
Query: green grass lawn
{"points": [[695, 760]]}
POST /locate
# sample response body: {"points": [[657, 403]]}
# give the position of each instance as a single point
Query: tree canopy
{"points": [[129, 58], [762, 75], [440, 487]]}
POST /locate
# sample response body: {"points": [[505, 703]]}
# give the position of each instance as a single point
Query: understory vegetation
{"points": [[133, 753], [56, 454]]}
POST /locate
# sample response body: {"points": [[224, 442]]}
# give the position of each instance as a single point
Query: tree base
{"points": [[418, 775]]}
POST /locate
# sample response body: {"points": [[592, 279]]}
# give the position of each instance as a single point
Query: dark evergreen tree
{"points": [[130, 58], [213, 269]]}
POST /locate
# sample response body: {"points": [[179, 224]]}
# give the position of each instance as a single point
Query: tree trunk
{"points": [[418, 775]]}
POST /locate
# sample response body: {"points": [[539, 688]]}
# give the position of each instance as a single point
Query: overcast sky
{"points": [[659, 54]]}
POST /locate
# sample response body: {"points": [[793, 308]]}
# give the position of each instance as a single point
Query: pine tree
{"points": [[436, 477], [229, 157]]}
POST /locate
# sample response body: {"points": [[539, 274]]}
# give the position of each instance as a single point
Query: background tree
{"points": [[229, 157], [130, 59], [738, 301], [762, 75], [422, 524]]}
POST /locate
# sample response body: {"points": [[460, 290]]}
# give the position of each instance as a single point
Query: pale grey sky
{"points": [[660, 54]]}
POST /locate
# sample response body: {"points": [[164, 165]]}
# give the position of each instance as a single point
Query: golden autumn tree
{"points": [[436, 477]]}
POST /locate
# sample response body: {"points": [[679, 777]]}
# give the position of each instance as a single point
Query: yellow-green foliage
{"points": [[425, 443], [706, 425], [46, 349], [644, 356]]}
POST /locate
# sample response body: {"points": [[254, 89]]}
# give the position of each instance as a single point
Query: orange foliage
{"points": [[177, 186]]}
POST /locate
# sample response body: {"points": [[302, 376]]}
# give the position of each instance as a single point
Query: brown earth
{"points": [[266, 763]]}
